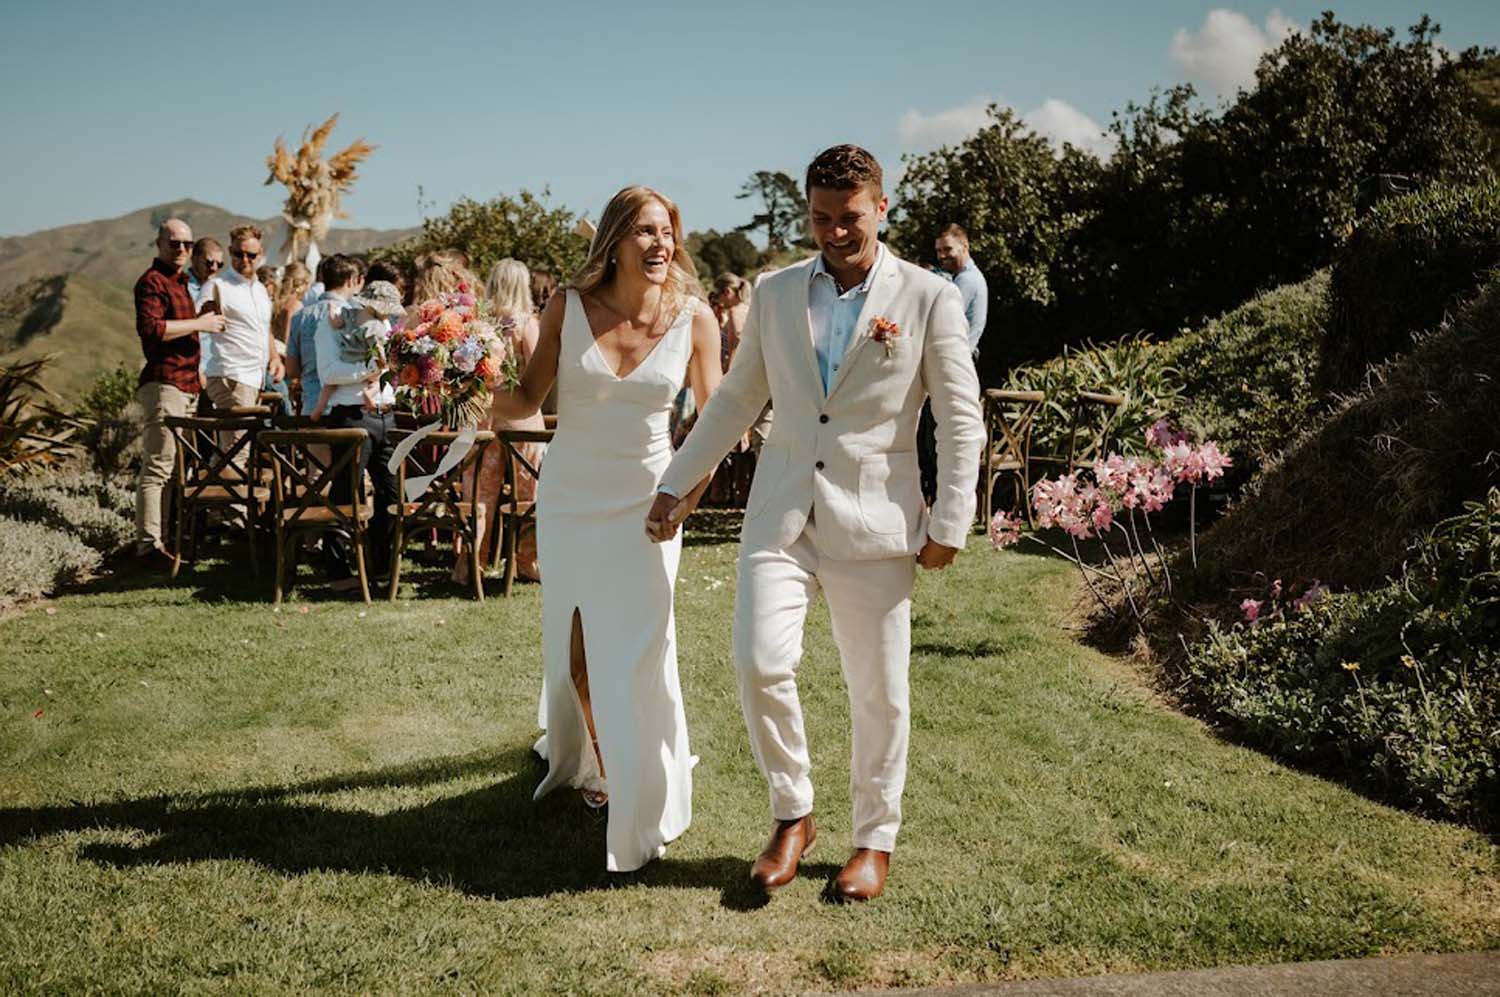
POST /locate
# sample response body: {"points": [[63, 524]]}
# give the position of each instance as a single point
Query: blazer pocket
{"points": [[769, 471], [890, 490]]}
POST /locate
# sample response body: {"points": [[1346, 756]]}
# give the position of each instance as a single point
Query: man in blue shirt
{"points": [[953, 256], [343, 277]]}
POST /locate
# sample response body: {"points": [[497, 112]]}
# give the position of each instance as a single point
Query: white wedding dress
{"points": [[598, 482]]}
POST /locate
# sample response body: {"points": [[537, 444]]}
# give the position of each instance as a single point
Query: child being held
{"points": [[363, 325]]}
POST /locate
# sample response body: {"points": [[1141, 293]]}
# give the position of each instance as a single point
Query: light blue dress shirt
{"points": [[301, 345], [834, 317], [975, 291]]}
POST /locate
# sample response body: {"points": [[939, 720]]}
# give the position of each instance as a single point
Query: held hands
{"points": [[935, 556], [666, 515]]}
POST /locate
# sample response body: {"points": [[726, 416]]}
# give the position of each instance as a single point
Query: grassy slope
{"points": [[219, 794], [95, 333]]}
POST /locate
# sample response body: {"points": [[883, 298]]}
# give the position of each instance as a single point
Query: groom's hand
{"points": [[664, 518], [934, 556]]}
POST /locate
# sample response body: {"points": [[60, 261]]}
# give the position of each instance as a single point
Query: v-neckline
{"points": [[594, 344]]}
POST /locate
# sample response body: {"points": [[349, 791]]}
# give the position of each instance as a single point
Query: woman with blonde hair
{"points": [[620, 340], [508, 292]]}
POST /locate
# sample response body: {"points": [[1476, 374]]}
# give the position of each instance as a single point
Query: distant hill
{"points": [[119, 249], [68, 290]]}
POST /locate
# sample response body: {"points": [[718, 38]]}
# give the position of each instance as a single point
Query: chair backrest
{"points": [[306, 463], [1093, 414], [216, 452], [447, 488], [516, 463], [1009, 418]]}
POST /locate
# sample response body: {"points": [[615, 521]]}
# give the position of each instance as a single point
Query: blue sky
{"points": [[109, 109]]}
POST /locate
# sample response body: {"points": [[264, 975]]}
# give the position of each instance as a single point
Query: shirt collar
{"points": [[864, 286], [167, 270]]}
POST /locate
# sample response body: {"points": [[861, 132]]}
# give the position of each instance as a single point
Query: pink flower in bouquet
{"points": [[1212, 460], [429, 310], [466, 299], [1005, 529], [432, 371], [1251, 609]]}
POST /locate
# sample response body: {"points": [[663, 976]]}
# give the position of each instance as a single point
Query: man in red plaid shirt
{"points": [[168, 323]]}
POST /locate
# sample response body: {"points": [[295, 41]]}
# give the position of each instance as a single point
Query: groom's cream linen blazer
{"points": [[848, 456]]}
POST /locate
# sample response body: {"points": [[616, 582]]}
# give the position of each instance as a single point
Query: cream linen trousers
{"points": [[869, 603]]}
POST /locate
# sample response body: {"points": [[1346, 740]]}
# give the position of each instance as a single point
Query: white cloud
{"points": [[1055, 119], [1062, 122], [1224, 52], [928, 131]]}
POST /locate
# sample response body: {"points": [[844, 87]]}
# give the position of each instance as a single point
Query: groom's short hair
{"points": [[845, 167]]}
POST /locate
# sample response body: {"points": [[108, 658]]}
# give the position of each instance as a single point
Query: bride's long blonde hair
{"points": [[615, 225]]}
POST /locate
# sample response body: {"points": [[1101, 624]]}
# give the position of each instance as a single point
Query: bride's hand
{"points": [[663, 519]]}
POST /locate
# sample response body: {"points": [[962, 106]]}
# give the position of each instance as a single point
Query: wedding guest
{"points": [[342, 278], [952, 249], [348, 408], [168, 324], [293, 287], [208, 259], [245, 351], [508, 292], [440, 272], [733, 293], [543, 284]]}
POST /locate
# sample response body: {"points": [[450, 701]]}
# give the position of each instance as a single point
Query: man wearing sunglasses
{"points": [[208, 259], [168, 323], [244, 352]]}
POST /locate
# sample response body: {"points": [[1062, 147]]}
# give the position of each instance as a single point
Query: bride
{"points": [[620, 343]]}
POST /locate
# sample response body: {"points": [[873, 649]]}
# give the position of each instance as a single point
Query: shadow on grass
{"points": [[223, 574], [492, 842]]}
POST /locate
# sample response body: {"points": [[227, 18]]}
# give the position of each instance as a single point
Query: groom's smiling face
{"points": [[845, 224]]}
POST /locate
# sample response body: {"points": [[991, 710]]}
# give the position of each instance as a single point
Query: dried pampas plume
{"points": [[314, 185]]}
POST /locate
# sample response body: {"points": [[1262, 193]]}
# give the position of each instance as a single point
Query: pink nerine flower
{"points": [[1251, 609], [1004, 529], [1163, 435], [1212, 460], [1182, 462], [1314, 595], [1103, 517]]}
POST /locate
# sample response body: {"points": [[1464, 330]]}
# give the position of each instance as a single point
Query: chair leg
{"points": [[252, 527], [512, 542], [475, 572], [359, 561], [177, 544], [398, 545], [281, 554]]}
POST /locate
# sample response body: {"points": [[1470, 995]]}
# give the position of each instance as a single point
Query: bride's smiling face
{"points": [[650, 246]]}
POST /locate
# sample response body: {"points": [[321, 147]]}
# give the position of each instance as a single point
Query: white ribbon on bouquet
{"points": [[455, 453]]}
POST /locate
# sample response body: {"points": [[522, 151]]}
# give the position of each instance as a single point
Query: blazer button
{"points": [[819, 465], [823, 417]]}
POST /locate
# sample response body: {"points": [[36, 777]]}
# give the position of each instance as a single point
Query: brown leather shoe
{"points": [[776, 865], [863, 876]]}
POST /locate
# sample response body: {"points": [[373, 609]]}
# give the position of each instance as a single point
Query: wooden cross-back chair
{"points": [[217, 466], [1090, 422], [514, 513], [1008, 420], [306, 464], [449, 504]]}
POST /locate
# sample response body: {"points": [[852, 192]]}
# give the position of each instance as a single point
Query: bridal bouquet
{"points": [[447, 356]]}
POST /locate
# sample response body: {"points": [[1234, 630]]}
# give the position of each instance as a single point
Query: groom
{"points": [[846, 347]]}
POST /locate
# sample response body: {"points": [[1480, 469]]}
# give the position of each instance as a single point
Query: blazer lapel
{"points": [[882, 291], [802, 330]]}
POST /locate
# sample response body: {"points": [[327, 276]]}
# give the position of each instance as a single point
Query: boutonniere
{"points": [[885, 332]]}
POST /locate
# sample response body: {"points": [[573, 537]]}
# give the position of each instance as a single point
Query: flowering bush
{"points": [[448, 355], [1113, 502], [1399, 686]]}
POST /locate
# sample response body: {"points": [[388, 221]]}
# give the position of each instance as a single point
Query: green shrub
{"points": [[110, 419], [1247, 376], [72, 506], [37, 560], [1346, 500], [1132, 367], [1408, 263], [1398, 688]]}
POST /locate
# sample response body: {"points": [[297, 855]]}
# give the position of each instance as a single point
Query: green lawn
{"points": [[220, 796]]}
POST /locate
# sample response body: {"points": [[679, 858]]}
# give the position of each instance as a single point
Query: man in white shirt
{"points": [[244, 351]]}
